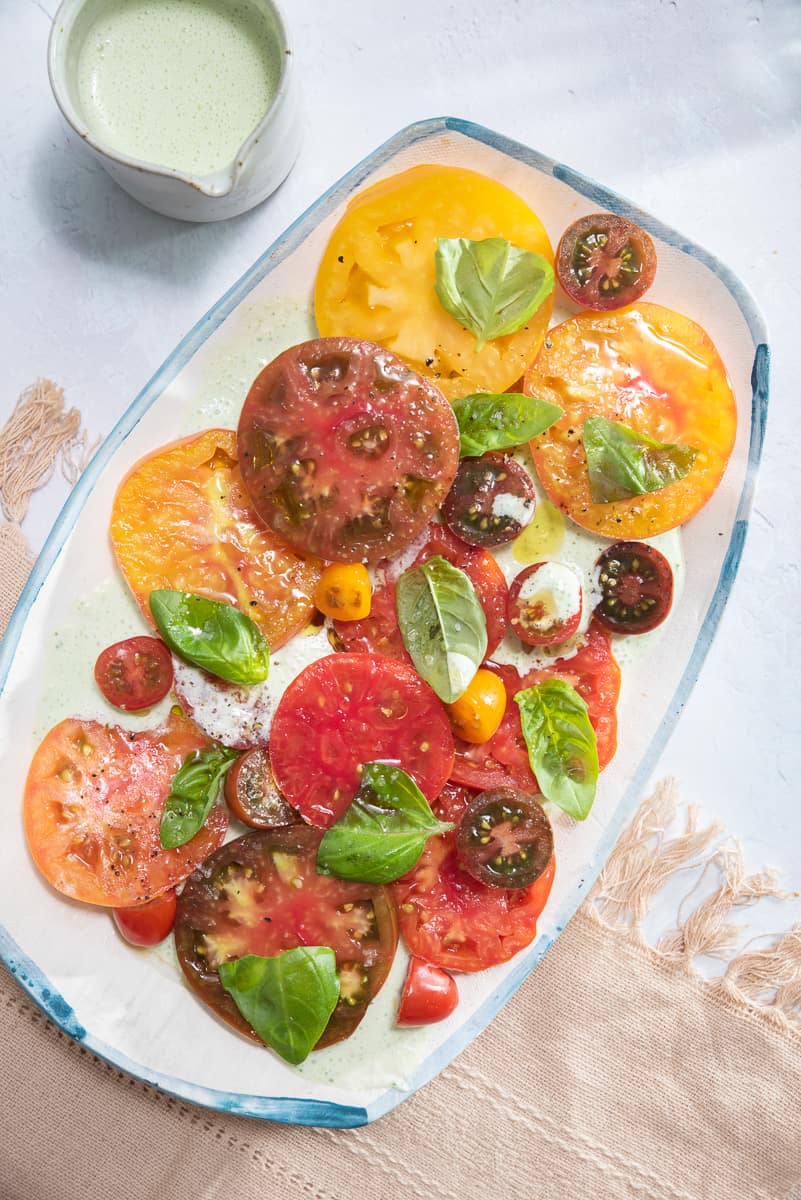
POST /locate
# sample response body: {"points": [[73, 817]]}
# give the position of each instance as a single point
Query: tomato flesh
{"points": [[545, 604], [491, 501], [429, 995], [605, 262], [134, 674], [636, 583], [147, 924], [251, 794], [504, 838], [261, 894]]}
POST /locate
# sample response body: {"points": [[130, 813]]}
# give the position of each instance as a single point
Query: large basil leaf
{"points": [[193, 792], [442, 624], [215, 636], [561, 744], [493, 421], [383, 831], [287, 1000], [623, 463], [490, 287]]}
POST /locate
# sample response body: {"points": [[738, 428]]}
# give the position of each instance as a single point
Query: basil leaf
{"points": [[287, 1000], [193, 792], [442, 625], [382, 833], [623, 463], [561, 744], [497, 421], [217, 637], [490, 287]]}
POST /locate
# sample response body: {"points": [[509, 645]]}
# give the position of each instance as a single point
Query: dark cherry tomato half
{"points": [[429, 995], [605, 262], [504, 839], [134, 674], [545, 604], [636, 585], [147, 924], [491, 501], [252, 796]]}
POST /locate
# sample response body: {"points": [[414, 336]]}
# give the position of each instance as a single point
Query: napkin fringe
{"points": [[766, 981]]}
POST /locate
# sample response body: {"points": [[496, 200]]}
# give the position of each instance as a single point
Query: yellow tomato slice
{"points": [[653, 370], [182, 519], [376, 279]]}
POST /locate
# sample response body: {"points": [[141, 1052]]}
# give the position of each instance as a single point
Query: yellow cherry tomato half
{"points": [[478, 712], [653, 370], [376, 279], [344, 592]]}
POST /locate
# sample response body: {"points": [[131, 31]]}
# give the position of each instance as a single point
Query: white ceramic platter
{"points": [[132, 1008]]}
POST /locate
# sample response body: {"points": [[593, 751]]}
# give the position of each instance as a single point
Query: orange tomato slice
{"points": [[182, 519], [653, 370], [376, 279]]}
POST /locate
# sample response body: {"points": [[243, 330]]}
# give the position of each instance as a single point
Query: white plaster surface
{"points": [[691, 109]]}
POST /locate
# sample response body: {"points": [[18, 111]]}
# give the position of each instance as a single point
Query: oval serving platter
{"points": [[132, 1008]]}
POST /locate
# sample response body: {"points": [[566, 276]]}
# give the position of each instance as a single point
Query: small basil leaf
{"points": [[442, 625], [561, 744], [623, 463], [215, 636], [287, 1000], [382, 833], [492, 421], [193, 792], [491, 287]]}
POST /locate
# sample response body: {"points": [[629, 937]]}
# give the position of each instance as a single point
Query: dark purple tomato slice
{"points": [[252, 796], [545, 604], [346, 453], [134, 674], [504, 839], [491, 501], [605, 262], [636, 585], [261, 894]]}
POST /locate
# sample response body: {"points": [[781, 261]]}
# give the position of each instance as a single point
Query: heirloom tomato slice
{"points": [[348, 709], [182, 519], [261, 894], [451, 919], [503, 760], [376, 279], [656, 372], [92, 810]]}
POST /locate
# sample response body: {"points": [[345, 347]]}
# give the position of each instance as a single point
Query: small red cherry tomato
{"points": [[605, 262], [147, 924], [491, 500], [636, 586], [429, 995], [545, 604], [134, 674], [252, 796]]}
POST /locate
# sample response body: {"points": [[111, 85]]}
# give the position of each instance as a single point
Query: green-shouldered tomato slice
{"points": [[653, 370], [636, 585], [261, 894], [605, 262], [504, 838]]}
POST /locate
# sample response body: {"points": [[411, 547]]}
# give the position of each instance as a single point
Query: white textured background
{"points": [[690, 107]]}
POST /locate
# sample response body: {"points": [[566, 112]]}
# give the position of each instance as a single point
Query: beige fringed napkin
{"points": [[615, 1073]]}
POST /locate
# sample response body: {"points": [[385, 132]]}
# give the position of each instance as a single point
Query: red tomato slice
{"points": [[346, 453], [147, 924], [134, 674], [379, 633], [349, 709], [450, 919], [429, 995], [92, 810], [261, 894], [503, 760]]}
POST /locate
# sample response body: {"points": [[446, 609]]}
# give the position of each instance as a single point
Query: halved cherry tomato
{"points": [[636, 583], [605, 262], [348, 709], [545, 604], [376, 278], [504, 838], [655, 371], [429, 995], [478, 712], [450, 919], [346, 452], [261, 894], [491, 500], [147, 924], [92, 810], [134, 674], [251, 794], [182, 519], [344, 592]]}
